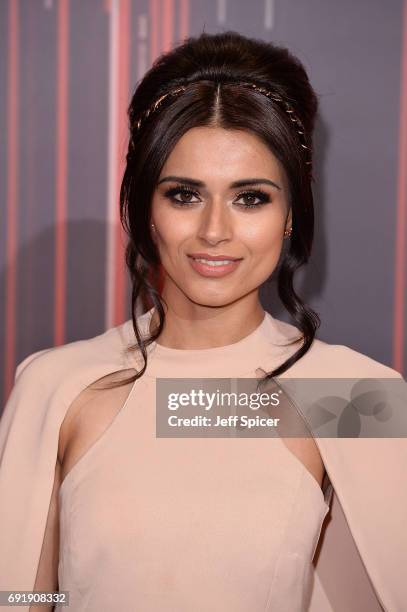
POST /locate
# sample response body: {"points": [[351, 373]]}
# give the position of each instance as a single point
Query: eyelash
{"points": [[184, 189]]}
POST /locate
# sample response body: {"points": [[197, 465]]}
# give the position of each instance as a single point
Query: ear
{"points": [[152, 232], [289, 219]]}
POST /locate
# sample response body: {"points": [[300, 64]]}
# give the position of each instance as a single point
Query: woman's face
{"points": [[197, 210]]}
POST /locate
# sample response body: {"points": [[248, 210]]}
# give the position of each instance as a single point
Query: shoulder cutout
{"points": [[307, 453], [89, 417]]}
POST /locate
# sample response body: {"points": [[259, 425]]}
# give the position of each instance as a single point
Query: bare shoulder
{"points": [[89, 415]]}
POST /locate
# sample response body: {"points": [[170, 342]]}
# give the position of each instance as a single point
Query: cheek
{"points": [[173, 230], [171, 243], [263, 243], [262, 237]]}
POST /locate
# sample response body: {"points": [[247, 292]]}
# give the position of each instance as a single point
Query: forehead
{"points": [[217, 155]]}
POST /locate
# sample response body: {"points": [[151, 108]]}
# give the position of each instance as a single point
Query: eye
{"points": [[262, 196], [184, 192]]}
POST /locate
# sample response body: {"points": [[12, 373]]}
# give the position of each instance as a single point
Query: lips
{"points": [[214, 266], [209, 257]]}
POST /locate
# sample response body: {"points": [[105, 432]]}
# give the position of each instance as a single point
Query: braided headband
{"points": [[299, 127]]}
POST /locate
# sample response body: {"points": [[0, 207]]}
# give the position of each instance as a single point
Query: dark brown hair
{"points": [[203, 64]]}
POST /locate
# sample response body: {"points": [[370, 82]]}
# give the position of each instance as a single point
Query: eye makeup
{"points": [[184, 190]]}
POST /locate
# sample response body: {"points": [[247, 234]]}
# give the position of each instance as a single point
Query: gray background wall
{"points": [[67, 69]]}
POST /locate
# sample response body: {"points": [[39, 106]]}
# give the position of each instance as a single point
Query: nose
{"points": [[215, 223]]}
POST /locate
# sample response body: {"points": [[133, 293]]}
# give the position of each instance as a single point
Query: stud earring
{"points": [[288, 232]]}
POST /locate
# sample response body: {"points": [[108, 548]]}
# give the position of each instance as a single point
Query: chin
{"points": [[212, 301]]}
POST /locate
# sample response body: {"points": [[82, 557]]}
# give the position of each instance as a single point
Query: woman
{"points": [[217, 189]]}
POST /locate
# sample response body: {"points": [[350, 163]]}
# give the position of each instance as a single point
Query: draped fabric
{"points": [[362, 552]]}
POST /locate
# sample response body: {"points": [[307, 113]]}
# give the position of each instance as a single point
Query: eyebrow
{"points": [[240, 183]]}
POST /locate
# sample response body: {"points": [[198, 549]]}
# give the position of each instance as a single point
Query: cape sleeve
{"points": [[369, 510], [46, 383], [362, 556], [29, 432]]}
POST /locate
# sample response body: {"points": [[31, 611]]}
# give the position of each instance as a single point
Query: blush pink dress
{"points": [[189, 524]]}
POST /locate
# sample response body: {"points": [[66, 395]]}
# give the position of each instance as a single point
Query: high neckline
{"points": [[259, 347], [169, 351]]}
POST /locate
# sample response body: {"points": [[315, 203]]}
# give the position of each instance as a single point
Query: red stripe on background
{"points": [[401, 222], [154, 52], [183, 19], [31, 138], [61, 172], [120, 304], [154, 30], [167, 25], [12, 194]]}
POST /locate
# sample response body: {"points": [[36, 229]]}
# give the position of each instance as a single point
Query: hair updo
{"points": [[209, 69]]}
